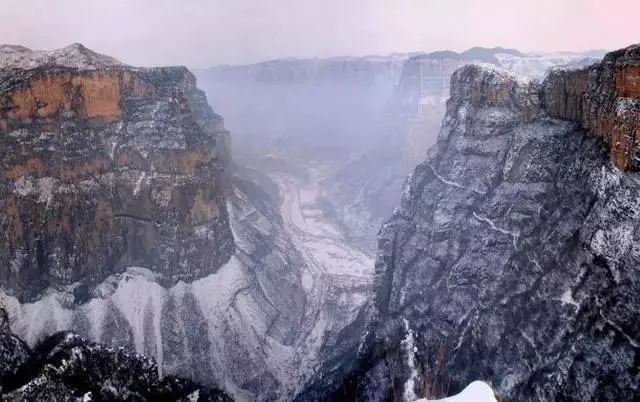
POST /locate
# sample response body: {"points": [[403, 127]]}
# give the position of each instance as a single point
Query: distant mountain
{"points": [[487, 55], [374, 116]]}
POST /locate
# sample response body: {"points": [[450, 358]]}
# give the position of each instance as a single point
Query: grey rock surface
{"points": [[365, 191], [512, 259]]}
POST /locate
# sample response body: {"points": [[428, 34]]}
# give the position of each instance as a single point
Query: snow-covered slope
{"points": [[258, 327], [74, 56]]}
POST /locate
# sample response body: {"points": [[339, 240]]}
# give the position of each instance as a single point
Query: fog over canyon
{"points": [[376, 228]]}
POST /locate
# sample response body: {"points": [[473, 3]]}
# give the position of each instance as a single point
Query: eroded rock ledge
{"points": [[605, 99], [103, 167]]}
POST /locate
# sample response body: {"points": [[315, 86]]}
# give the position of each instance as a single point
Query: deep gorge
{"points": [[283, 254]]}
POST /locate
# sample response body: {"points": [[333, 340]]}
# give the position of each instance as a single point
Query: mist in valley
{"points": [[371, 201]]}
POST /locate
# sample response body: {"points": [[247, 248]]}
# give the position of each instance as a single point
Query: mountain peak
{"points": [[74, 55]]}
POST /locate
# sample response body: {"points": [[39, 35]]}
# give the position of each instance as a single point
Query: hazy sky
{"points": [[200, 33]]}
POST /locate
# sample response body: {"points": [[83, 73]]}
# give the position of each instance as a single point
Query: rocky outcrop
{"points": [[364, 192], [605, 100], [511, 259], [65, 367], [103, 167]]}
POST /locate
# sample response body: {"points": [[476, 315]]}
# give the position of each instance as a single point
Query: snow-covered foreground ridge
{"points": [[477, 391]]}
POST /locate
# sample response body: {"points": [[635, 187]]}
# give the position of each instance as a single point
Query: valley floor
{"points": [[325, 247]]}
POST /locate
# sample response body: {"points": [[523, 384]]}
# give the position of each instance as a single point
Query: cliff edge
{"points": [[103, 167], [513, 256]]}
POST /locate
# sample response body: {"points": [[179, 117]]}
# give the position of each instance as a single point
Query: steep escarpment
{"points": [[364, 192], [513, 258], [126, 223], [106, 166], [258, 327], [241, 328], [605, 100]]}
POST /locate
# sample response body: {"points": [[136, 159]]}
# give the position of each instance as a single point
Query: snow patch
{"points": [[567, 298], [194, 396], [138, 187], [453, 183], [73, 56], [43, 189], [408, 344], [477, 391], [514, 235]]}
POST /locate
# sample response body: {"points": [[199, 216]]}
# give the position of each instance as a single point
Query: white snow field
{"points": [[477, 391]]}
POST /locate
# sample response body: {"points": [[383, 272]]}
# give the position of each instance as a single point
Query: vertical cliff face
{"points": [[106, 166], [513, 257], [124, 223], [364, 192], [605, 100]]}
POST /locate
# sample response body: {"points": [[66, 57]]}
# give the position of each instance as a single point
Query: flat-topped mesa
{"points": [[605, 100], [105, 166], [74, 82]]}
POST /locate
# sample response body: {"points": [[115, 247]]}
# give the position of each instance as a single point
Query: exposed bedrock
{"points": [[512, 259], [105, 167], [125, 222], [363, 193], [605, 99]]}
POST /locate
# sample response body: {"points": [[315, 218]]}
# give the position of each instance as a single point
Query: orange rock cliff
{"points": [[605, 100], [106, 166]]}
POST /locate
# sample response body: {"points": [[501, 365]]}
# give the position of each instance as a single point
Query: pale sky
{"points": [[200, 33]]}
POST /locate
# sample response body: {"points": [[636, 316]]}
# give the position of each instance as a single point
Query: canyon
{"points": [[371, 118], [128, 223], [512, 256], [241, 254]]}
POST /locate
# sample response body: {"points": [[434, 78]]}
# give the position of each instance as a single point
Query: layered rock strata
{"points": [[126, 224], [106, 166], [605, 100]]}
